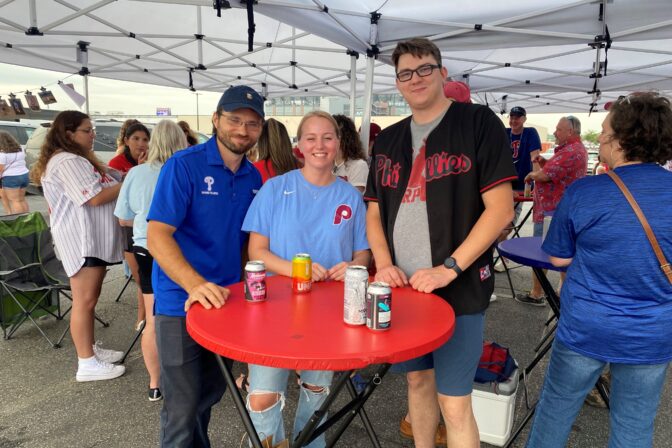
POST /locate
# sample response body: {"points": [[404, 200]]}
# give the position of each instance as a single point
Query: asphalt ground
{"points": [[41, 404]]}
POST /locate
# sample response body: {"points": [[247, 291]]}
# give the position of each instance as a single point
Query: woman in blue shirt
{"points": [[132, 207], [616, 301], [307, 210]]}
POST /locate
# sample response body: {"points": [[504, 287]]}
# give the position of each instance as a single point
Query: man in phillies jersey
{"points": [[439, 193], [525, 146]]}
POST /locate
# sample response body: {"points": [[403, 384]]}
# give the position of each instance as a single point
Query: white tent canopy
{"points": [[533, 53]]}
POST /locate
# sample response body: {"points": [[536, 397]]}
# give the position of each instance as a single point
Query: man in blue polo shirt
{"points": [[198, 208]]}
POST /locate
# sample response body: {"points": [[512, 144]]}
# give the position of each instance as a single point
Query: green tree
{"points": [[591, 136]]}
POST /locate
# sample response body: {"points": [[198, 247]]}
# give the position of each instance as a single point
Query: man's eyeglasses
{"points": [[237, 122], [422, 71], [87, 131]]}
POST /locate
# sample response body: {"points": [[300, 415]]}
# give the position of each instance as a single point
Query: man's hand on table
{"points": [[337, 272], [207, 294], [427, 280], [391, 275], [320, 273]]}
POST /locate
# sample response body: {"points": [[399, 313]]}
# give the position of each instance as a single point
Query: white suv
{"points": [[20, 131]]}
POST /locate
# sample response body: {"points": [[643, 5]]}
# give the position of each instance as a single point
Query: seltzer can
{"points": [[527, 192], [302, 273], [354, 295], [379, 306], [255, 281]]}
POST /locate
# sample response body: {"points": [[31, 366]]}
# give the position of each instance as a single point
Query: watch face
{"points": [[449, 263]]}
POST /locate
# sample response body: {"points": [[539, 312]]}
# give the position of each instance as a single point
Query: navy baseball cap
{"points": [[518, 111], [241, 97]]}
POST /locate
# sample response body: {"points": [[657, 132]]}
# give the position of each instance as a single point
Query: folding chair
{"points": [[32, 280]]}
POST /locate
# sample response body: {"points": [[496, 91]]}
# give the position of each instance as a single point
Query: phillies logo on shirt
{"points": [[444, 164], [515, 146], [485, 273], [388, 173], [209, 182], [343, 213]]}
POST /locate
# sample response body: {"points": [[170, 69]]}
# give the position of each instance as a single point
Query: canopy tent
{"points": [[541, 54]]}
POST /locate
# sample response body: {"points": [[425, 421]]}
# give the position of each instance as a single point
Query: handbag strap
{"points": [[664, 264]]}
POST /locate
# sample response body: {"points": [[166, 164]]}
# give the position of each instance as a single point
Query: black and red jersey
{"points": [[465, 155]]}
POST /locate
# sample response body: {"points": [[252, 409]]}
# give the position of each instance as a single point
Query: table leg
{"points": [[313, 428], [355, 406], [240, 404], [553, 299], [518, 227]]}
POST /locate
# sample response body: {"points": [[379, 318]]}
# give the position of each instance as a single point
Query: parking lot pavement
{"points": [[42, 406]]}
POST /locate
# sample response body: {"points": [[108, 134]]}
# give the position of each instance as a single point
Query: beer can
{"points": [[302, 273], [354, 295], [254, 283], [528, 190], [379, 306]]}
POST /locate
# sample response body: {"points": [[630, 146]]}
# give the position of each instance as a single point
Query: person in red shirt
{"points": [[136, 142], [568, 164], [275, 151]]}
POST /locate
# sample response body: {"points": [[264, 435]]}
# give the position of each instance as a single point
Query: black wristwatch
{"points": [[451, 263]]}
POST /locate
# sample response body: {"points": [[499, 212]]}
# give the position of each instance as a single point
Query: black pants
{"points": [[191, 383]]}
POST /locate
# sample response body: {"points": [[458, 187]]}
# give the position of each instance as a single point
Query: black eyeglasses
{"points": [[422, 71]]}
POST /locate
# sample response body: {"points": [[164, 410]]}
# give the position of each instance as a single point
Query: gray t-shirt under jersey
{"points": [[412, 248]]}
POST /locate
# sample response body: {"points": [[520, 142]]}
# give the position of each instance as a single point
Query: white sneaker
{"points": [[493, 297], [98, 370], [106, 355], [499, 266]]}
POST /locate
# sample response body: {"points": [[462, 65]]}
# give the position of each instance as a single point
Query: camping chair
{"points": [[32, 280]]}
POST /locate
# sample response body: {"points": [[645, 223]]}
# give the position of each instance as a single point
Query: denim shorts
{"points": [[15, 182], [455, 362]]}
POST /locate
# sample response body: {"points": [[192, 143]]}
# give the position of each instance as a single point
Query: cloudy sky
{"points": [[108, 96]]}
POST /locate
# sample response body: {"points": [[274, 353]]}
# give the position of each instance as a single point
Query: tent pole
{"points": [[86, 92], [353, 84], [368, 101]]}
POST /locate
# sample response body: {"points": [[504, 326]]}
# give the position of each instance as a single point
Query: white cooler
{"points": [[494, 405]]}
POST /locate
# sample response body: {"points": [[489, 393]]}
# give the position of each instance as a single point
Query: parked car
{"points": [[20, 131]]}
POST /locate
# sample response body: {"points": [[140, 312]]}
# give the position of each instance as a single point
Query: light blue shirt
{"points": [[135, 199], [296, 216]]}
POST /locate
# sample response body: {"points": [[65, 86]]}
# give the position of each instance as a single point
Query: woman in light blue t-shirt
{"points": [[132, 207], [616, 301], [307, 210]]}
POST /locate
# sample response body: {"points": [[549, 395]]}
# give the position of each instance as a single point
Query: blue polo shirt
{"points": [[206, 203]]}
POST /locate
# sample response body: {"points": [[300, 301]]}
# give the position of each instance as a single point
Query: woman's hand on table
{"points": [[391, 275], [337, 272], [207, 294], [320, 273], [427, 280]]}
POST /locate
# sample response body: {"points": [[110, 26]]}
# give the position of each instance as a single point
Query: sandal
{"points": [[242, 383], [528, 299]]}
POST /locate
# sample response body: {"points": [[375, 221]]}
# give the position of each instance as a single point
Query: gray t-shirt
{"points": [[412, 248]]}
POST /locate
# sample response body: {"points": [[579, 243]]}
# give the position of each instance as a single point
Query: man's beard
{"points": [[238, 150]]}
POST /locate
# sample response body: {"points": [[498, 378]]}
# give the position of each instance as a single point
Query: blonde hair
{"points": [[318, 114], [167, 138], [8, 143]]}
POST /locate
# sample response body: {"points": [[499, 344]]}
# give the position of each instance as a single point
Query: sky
{"points": [[109, 96]]}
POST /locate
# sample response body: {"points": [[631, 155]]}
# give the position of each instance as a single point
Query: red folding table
{"points": [[307, 332]]}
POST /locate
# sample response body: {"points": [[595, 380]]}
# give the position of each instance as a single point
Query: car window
{"points": [[21, 134], [106, 138]]}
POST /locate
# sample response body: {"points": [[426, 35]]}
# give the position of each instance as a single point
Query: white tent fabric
{"points": [[533, 53]]}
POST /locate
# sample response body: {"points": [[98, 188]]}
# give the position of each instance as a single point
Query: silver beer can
{"points": [[379, 306], [354, 295], [254, 282]]}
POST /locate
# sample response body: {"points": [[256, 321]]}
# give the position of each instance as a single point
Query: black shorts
{"points": [[128, 238], [93, 262], [145, 262]]}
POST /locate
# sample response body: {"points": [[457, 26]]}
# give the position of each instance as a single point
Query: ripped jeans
{"points": [[271, 380]]}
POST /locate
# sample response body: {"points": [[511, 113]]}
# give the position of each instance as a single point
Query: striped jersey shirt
{"points": [[80, 230]]}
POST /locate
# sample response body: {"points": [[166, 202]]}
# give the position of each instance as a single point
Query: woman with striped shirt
{"points": [[81, 195]]}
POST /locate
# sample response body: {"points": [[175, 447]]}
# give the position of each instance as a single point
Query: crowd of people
{"points": [[191, 213]]}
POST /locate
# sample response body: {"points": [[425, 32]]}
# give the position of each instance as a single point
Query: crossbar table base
{"points": [[314, 428]]}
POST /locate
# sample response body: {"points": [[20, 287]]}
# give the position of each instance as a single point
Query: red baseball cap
{"points": [[458, 91]]}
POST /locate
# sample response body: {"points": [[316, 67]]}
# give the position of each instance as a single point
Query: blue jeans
{"points": [[634, 398], [269, 421]]}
